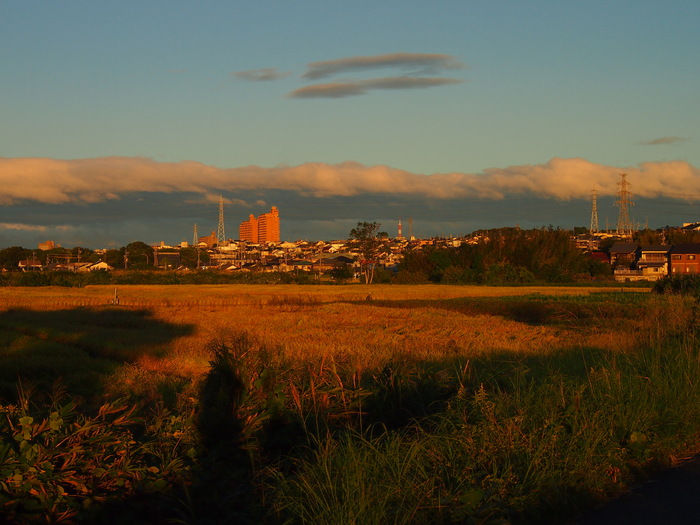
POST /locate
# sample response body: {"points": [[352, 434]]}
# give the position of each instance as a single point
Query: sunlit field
{"points": [[352, 404], [363, 324]]}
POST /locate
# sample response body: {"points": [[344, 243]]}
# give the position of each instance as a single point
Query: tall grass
{"points": [[403, 409]]}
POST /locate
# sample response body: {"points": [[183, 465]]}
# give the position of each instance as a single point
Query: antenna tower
{"points": [[624, 201], [195, 236], [220, 235], [400, 229], [594, 212]]}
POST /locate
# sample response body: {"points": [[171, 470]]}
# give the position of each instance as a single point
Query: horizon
{"points": [[127, 121]]}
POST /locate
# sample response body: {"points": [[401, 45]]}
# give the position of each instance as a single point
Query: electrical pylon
{"points": [[594, 212], [220, 234], [624, 201]]}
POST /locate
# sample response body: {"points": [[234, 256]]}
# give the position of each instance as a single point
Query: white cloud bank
{"points": [[53, 181]]}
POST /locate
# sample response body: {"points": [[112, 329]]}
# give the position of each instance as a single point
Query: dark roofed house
{"points": [[685, 258], [623, 253]]}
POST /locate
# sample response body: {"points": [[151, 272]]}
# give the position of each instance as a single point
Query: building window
{"points": [[676, 257], [691, 257]]}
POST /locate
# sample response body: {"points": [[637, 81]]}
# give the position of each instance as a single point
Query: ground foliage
{"points": [[267, 438]]}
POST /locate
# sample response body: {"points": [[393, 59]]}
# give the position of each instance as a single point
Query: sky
{"points": [[124, 121]]}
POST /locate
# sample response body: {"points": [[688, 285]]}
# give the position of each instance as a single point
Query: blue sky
{"points": [[125, 120]]}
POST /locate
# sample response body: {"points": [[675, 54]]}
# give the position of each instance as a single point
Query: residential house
{"points": [[653, 262], [30, 265], [623, 254], [685, 258]]}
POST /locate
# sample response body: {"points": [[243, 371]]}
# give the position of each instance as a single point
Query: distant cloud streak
{"points": [[267, 74], [413, 68], [663, 141], [361, 87], [87, 181], [416, 63]]}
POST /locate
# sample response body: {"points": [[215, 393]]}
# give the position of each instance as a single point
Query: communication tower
{"points": [[195, 236], [624, 201], [400, 229], [594, 212], [220, 235]]}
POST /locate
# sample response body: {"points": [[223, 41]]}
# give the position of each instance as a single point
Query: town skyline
{"points": [[128, 121]]}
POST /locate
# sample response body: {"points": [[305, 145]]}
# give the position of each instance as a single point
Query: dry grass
{"points": [[310, 323]]}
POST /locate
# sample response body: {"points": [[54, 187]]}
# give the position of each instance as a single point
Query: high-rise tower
{"points": [[624, 201], [220, 234], [195, 236]]}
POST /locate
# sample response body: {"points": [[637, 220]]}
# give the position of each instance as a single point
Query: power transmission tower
{"points": [[195, 237], [220, 235], [594, 212], [624, 201]]}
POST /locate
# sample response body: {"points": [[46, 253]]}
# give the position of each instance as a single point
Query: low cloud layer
{"points": [[86, 181], [413, 63]]}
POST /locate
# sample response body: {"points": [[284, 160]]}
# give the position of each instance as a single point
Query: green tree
{"points": [[10, 257], [367, 240], [140, 255]]}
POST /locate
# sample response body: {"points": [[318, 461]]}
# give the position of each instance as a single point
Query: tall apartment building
{"points": [[266, 228], [248, 230]]}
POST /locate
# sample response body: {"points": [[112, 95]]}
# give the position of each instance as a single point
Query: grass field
{"points": [[480, 404]]}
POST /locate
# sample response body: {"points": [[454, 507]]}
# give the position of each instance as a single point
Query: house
{"points": [[684, 258], [30, 265], [100, 266], [653, 262], [623, 254]]}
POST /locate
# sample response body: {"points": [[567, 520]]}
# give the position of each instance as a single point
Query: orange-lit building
{"points": [[248, 230], [264, 229], [209, 240]]}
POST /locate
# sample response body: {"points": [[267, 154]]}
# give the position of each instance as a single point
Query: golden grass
{"points": [[315, 322]]}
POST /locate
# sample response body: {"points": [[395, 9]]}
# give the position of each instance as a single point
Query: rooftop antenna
{"points": [[220, 235]]}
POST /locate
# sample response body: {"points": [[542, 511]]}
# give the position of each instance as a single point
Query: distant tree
{"points": [[191, 256], [140, 255], [342, 273], [367, 239], [10, 257]]}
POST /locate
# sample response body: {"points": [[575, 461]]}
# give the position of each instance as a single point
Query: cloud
{"points": [[22, 227], [261, 75], [99, 180], [663, 140], [331, 90], [415, 63], [361, 87]]}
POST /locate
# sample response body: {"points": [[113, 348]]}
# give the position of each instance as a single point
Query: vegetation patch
{"points": [[406, 408]]}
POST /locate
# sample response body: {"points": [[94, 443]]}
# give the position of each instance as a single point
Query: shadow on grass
{"points": [[78, 346], [533, 309]]}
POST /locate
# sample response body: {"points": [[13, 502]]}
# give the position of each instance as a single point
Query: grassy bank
{"points": [[284, 404]]}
